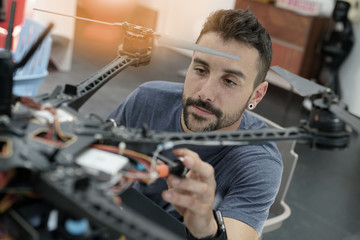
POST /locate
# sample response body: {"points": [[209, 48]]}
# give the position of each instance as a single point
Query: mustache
{"points": [[205, 105]]}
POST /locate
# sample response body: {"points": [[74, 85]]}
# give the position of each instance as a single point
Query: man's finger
{"points": [[189, 185], [193, 162]]}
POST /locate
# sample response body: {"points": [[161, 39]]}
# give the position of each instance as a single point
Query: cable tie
{"points": [[113, 122], [165, 146], [122, 147]]}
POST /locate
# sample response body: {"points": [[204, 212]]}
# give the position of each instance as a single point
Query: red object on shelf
{"points": [[18, 21]]}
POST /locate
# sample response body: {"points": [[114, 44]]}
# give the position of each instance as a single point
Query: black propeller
{"points": [[303, 86], [328, 100]]}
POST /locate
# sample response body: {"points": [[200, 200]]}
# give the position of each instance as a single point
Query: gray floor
{"points": [[324, 195]]}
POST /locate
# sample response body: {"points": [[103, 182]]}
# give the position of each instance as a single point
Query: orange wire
{"points": [[4, 150], [7, 202], [58, 130], [142, 158], [32, 104]]}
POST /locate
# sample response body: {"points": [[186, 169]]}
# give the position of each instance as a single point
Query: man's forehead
{"points": [[231, 46]]}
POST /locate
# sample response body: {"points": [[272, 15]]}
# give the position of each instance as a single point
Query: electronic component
{"points": [[44, 116], [101, 164]]}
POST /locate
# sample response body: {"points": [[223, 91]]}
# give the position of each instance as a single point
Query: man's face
{"points": [[218, 89]]}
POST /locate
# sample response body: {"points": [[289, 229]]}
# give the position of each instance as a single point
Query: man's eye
{"points": [[200, 70], [230, 82]]}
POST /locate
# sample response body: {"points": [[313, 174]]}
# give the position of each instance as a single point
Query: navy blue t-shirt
{"points": [[247, 177]]}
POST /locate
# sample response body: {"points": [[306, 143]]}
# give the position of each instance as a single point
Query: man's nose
{"points": [[208, 89]]}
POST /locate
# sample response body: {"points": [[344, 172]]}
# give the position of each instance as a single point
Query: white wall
{"points": [[350, 70], [184, 19], [63, 31], [350, 75]]}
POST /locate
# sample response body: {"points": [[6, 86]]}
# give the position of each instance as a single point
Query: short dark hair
{"points": [[243, 26]]}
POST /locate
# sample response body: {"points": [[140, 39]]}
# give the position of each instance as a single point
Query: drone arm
{"points": [[87, 88], [302, 134], [161, 141], [245, 137]]}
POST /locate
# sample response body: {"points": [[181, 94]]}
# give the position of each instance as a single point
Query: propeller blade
{"points": [[345, 116], [303, 86], [165, 40], [79, 18]]}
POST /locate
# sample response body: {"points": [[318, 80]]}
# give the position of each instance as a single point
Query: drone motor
{"points": [[324, 120]]}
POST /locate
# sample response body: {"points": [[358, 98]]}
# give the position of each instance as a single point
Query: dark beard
{"points": [[222, 120]]}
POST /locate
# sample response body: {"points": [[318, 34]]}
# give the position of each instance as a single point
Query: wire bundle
{"points": [[54, 134]]}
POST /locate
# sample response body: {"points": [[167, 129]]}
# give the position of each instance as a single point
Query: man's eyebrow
{"points": [[237, 73], [198, 60]]}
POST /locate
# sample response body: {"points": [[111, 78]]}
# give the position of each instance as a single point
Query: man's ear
{"points": [[258, 93]]}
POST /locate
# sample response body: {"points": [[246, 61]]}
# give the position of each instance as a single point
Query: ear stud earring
{"points": [[251, 106]]}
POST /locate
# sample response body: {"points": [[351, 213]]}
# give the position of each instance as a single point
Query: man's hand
{"points": [[193, 196]]}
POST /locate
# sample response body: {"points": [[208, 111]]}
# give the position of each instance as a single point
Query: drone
{"points": [[50, 152]]}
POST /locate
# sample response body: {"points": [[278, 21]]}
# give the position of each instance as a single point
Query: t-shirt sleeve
{"points": [[130, 110], [253, 191], [119, 113]]}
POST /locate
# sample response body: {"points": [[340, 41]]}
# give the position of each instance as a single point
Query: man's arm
{"points": [[193, 198], [239, 230]]}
